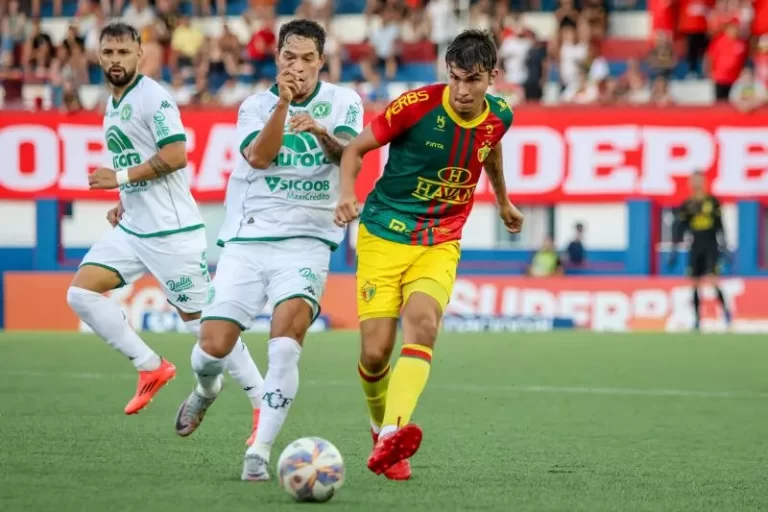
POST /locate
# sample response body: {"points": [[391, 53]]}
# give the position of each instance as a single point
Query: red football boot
{"points": [[395, 448], [401, 470]]}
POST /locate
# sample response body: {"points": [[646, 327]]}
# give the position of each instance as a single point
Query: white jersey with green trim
{"points": [[136, 127], [297, 194]]}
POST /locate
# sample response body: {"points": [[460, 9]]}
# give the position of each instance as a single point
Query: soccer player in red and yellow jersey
{"points": [[440, 138]]}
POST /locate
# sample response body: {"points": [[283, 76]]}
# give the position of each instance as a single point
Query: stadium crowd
{"points": [[724, 40]]}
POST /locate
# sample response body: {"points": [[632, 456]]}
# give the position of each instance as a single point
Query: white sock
{"points": [[387, 429], [107, 320], [280, 387], [243, 369], [208, 370], [193, 326]]}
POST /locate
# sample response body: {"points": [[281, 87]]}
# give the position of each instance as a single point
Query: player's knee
{"points": [[217, 338], [79, 299], [375, 356], [420, 326]]}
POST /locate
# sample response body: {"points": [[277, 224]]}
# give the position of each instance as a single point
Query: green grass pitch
{"points": [[513, 422]]}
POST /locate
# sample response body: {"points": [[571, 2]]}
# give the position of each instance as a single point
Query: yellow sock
{"points": [[375, 386], [408, 380]]}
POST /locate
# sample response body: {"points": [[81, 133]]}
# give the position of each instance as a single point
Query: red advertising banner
{"points": [[600, 304], [550, 154]]}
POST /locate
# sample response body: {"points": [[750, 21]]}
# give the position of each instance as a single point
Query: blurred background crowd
{"points": [[217, 52]]}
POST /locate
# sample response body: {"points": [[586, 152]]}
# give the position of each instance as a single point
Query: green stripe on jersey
{"points": [[161, 233]]}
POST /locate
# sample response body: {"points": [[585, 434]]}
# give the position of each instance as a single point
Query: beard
{"points": [[122, 79]]}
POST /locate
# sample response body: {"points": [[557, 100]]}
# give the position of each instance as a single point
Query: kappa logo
{"points": [[166, 104], [182, 298]]}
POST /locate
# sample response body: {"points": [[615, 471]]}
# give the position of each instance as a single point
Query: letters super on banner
{"points": [[599, 304], [550, 154]]}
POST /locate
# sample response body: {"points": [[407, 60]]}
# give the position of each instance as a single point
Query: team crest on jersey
{"points": [[483, 152], [321, 109], [368, 291], [126, 112], [502, 104]]}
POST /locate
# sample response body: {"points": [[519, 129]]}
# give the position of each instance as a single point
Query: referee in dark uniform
{"points": [[700, 214]]}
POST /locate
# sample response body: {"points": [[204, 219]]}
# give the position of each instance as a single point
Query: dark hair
{"points": [[302, 28], [473, 50], [120, 30]]}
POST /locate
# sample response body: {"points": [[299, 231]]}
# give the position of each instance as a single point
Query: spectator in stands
{"points": [[167, 20], [760, 22], [70, 64], [545, 262], [261, 47], [38, 53], [537, 67], [180, 91], [35, 7], [202, 96], [748, 93], [203, 7], [384, 40], [660, 95], [416, 26], [94, 32], [760, 60], [727, 10], [232, 93], [315, 9], [572, 54], [139, 14], [86, 16], [596, 65], [443, 19], [727, 55], [70, 97], [594, 17], [661, 58], [692, 24], [633, 85], [513, 54], [566, 14], [611, 92], [186, 43], [575, 254], [13, 26], [332, 51], [151, 63], [481, 17], [112, 8], [221, 58], [581, 91]]}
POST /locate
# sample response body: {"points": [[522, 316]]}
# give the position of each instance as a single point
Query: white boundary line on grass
{"points": [[684, 393]]}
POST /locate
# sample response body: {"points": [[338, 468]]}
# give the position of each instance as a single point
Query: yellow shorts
{"points": [[389, 272]]}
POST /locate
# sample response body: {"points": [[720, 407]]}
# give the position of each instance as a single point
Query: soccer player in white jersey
{"points": [[157, 227], [279, 230]]}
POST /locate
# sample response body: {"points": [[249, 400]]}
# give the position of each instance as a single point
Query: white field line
{"points": [[562, 390]]}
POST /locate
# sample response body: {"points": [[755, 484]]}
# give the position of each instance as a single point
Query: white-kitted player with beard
{"points": [[279, 230], [157, 227]]}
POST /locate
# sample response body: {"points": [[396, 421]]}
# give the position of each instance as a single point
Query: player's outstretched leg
{"points": [[696, 306], [399, 438], [378, 339], [209, 355], [290, 321], [242, 368], [107, 320]]}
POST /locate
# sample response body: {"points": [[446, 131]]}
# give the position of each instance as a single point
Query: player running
{"points": [[700, 214], [279, 230], [157, 227], [440, 137]]}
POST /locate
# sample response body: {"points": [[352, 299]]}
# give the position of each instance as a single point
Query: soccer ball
{"points": [[311, 469]]}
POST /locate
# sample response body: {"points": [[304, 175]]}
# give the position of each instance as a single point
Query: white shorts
{"points": [[177, 261], [250, 275]]}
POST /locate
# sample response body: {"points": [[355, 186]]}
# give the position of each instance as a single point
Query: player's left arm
{"points": [[717, 216], [494, 168], [161, 115], [163, 118]]}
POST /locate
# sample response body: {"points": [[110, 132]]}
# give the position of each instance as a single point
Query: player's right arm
{"points": [[386, 127], [679, 227], [262, 137], [115, 214]]}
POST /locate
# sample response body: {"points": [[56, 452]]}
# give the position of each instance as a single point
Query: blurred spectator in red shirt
{"points": [[261, 47], [748, 94], [727, 55], [760, 59], [662, 15], [692, 23], [760, 22], [727, 10]]}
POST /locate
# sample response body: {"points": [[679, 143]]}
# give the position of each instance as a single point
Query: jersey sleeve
{"points": [[250, 121], [162, 115], [350, 114], [400, 115]]}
